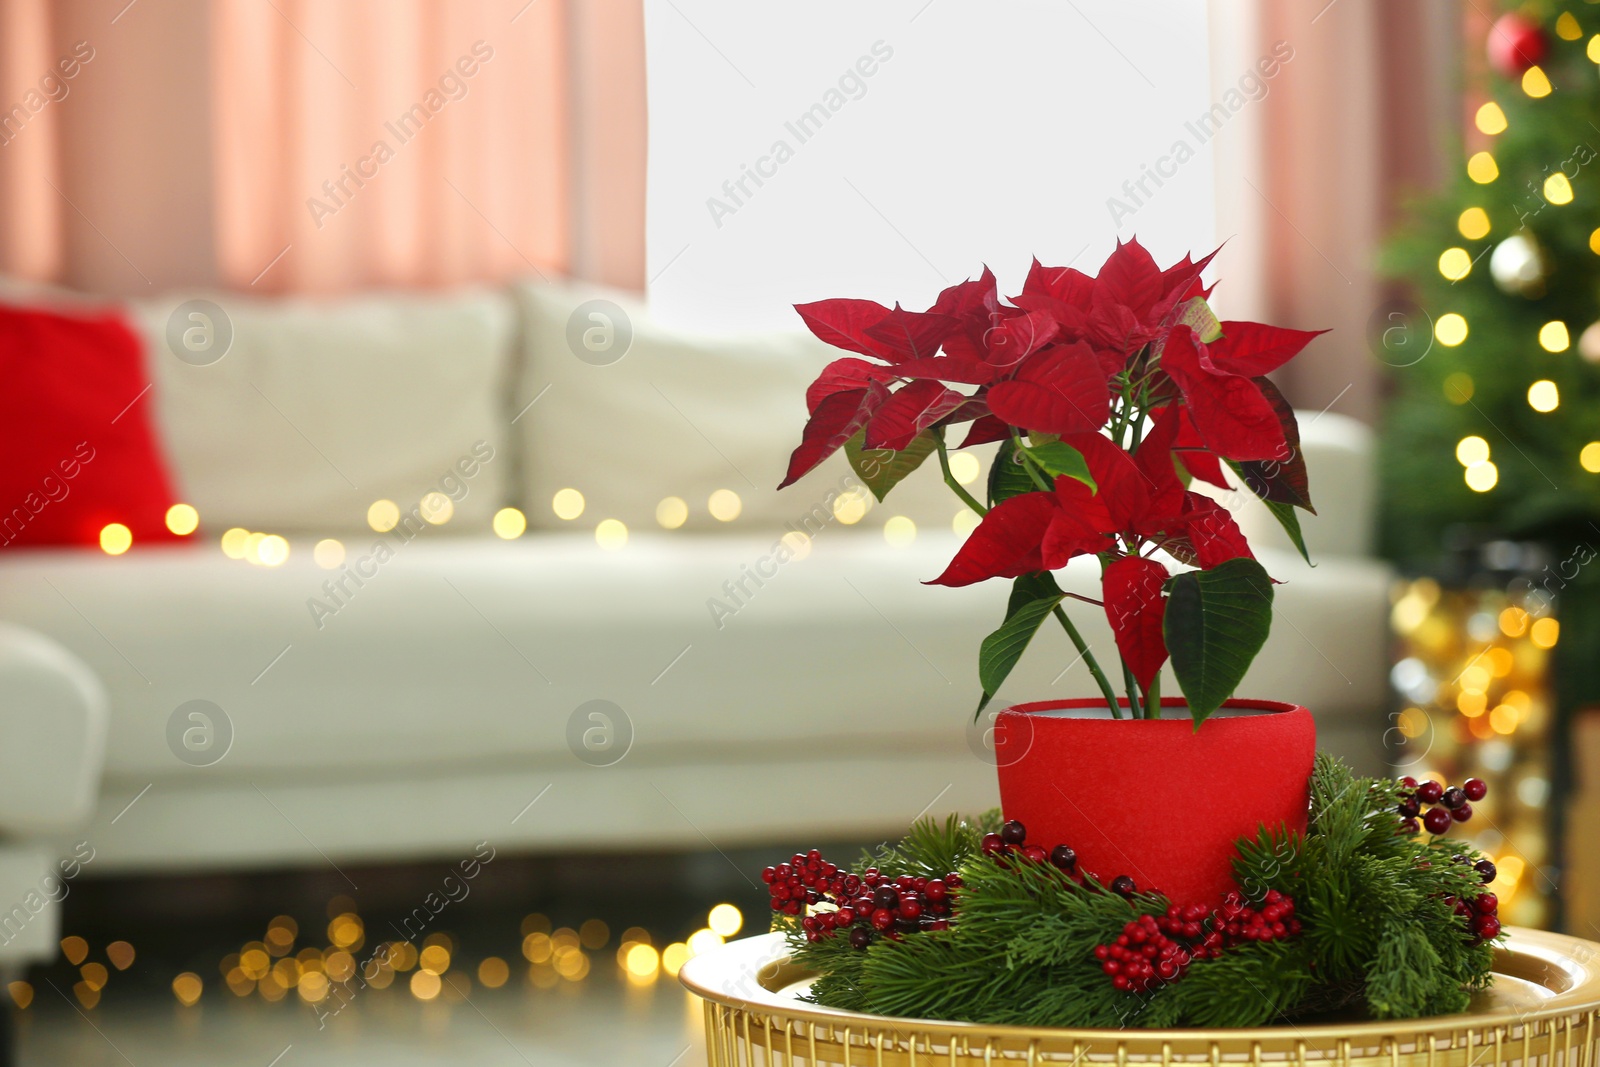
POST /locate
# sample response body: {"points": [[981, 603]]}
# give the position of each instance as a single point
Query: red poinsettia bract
{"points": [[1110, 391]]}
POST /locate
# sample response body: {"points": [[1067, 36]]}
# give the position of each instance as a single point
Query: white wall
{"points": [[986, 132]]}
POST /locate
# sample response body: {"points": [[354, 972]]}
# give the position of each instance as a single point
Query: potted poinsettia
{"points": [[1110, 396]]}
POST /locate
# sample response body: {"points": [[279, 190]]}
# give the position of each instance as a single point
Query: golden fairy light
{"points": [[75, 949], [233, 542], [1543, 396], [1470, 450], [115, 539], [899, 531], [436, 508], [1455, 263], [1482, 477], [725, 505], [509, 524], [1451, 329], [493, 972], [383, 515], [121, 955], [725, 919], [1553, 336], [611, 534], [1473, 223], [965, 468], [594, 934], [672, 512], [187, 987], [567, 504], [183, 519], [1490, 119]]}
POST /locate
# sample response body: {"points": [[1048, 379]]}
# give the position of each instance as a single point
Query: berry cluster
{"points": [[1482, 912], [869, 905], [1012, 842], [1152, 950], [1447, 804]]}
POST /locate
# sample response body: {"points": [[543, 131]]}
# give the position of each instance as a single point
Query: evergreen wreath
{"points": [[969, 923]]}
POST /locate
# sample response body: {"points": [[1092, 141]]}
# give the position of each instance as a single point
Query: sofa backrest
{"points": [[320, 408]]}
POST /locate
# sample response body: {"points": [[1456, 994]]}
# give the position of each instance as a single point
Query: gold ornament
{"points": [[1519, 266]]}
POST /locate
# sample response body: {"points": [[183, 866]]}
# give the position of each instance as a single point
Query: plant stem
{"points": [[950, 479], [1133, 692], [1029, 465], [1152, 698], [1088, 658]]}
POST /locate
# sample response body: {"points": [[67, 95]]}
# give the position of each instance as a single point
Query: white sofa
{"points": [[446, 698]]}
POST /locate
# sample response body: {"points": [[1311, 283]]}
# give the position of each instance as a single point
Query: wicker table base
{"points": [[1543, 1011]]}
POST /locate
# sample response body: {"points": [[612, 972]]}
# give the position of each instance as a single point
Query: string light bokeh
{"points": [[1472, 673]]}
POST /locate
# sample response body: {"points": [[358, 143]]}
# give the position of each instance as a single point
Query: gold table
{"points": [[1542, 1011]]}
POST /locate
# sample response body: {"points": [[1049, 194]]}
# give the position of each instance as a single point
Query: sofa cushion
{"points": [[630, 412], [314, 410], [79, 452]]}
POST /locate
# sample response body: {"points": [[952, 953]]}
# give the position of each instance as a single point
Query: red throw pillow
{"points": [[77, 451]]}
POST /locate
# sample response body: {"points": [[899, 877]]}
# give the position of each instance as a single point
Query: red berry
{"points": [[768, 874], [1475, 788], [1453, 798], [1013, 833], [1486, 927], [1034, 854], [1486, 903], [910, 909], [1437, 820], [1486, 870], [860, 937], [1409, 782], [992, 845], [1063, 858], [1429, 792], [885, 897], [1410, 826], [1122, 885], [883, 918], [1461, 812], [1410, 808]]}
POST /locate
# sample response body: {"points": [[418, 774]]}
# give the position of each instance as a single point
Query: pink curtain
{"points": [[307, 145], [1311, 177]]}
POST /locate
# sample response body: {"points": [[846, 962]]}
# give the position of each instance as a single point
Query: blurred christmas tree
{"points": [[1495, 421], [1492, 434]]}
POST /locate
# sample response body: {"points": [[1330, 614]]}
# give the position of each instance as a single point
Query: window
{"points": [[889, 150]]}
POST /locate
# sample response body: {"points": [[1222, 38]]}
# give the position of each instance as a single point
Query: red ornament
{"points": [[1515, 44]]}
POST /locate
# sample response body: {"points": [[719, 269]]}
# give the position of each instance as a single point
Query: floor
{"points": [[600, 1022]]}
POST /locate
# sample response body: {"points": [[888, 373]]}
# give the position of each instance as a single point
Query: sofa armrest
{"points": [[52, 735]]}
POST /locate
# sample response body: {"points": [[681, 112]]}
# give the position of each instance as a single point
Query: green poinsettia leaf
{"points": [[1007, 476], [1281, 510], [1058, 458], [1033, 597], [881, 469], [1216, 621]]}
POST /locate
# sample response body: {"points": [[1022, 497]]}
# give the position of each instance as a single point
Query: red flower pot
{"points": [[1155, 799]]}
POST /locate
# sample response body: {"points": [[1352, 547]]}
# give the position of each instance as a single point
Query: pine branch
{"points": [[1377, 909]]}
